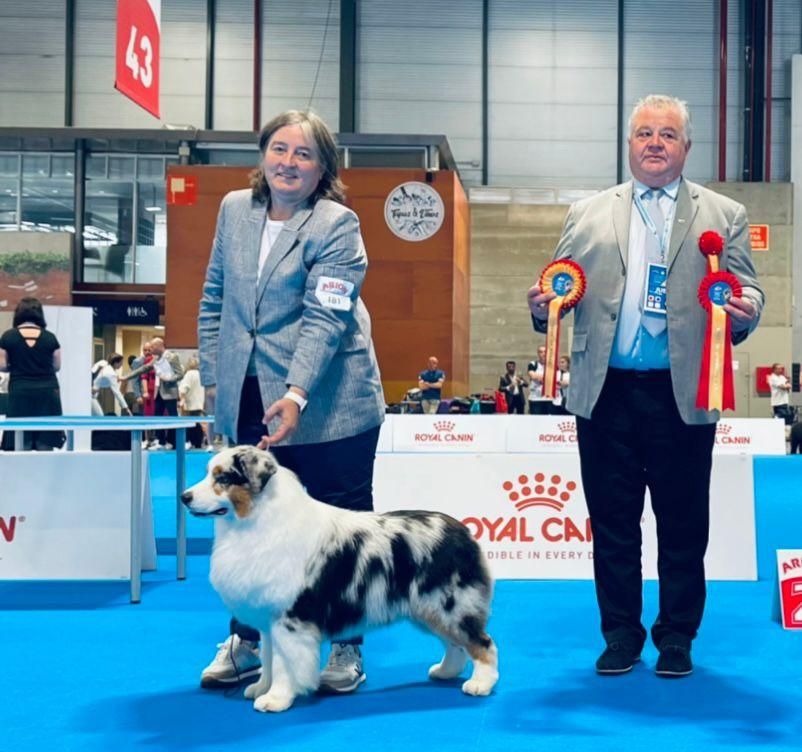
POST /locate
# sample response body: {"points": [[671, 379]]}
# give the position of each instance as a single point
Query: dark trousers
{"points": [[636, 440], [339, 472], [195, 433], [166, 407], [539, 407], [515, 403]]}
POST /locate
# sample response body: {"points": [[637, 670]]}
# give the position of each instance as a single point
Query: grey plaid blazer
{"points": [[596, 236], [283, 317]]}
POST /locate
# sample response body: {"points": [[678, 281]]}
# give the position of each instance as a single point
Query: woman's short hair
{"points": [[29, 311], [115, 360], [330, 186], [192, 362]]}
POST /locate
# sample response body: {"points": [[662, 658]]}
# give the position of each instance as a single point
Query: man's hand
{"points": [[742, 313], [289, 414], [539, 302]]}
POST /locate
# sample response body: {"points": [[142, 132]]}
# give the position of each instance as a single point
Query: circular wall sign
{"points": [[414, 211]]}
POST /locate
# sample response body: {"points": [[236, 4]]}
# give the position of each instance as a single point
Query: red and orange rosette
{"points": [[711, 245], [716, 390], [567, 280]]}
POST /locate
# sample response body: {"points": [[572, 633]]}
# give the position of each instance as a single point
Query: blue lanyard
{"points": [[650, 225]]}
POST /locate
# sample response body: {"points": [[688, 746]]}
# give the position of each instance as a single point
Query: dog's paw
{"points": [[273, 702], [477, 688], [441, 672], [257, 689]]}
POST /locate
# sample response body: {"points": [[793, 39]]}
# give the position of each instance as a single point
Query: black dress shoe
{"points": [[674, 661], [618, 658]]}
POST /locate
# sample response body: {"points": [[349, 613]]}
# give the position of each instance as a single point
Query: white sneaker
{"points": [[188, 445], [168, 446], [343, 671], [236, 661], [146, 445], [155, 444]]}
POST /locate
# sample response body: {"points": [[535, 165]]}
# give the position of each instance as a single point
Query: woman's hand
{"points": [[289, 414]]}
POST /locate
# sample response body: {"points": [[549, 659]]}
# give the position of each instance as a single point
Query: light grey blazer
{"points": [[296, 338], [596, 236]]}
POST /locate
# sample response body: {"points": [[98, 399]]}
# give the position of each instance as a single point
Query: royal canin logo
{"points": [[724, 435], [566, 435], [539, 491], [8, 527], [444, 433], [336, 287]]}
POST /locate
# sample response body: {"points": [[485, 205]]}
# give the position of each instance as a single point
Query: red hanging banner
{"points": [[138, 40]]}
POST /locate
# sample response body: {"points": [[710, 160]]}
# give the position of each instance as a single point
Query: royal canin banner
{"points": [[529, 514], [138, 41], [558, 434], [789, 575], [67, 516], [449, 433]]}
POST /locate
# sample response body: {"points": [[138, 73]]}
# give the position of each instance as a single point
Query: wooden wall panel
{"points": [[417, 292], [190, 232]]}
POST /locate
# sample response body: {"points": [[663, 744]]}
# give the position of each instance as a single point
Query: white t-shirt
{"points": [[536, 387], [778, 396], [562, 391], [271, 232]]}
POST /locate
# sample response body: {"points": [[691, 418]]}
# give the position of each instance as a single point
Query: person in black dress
{"points": [[32, 355]]}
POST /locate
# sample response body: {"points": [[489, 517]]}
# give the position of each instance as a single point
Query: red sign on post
{"points": [[759, 236], [789, 574], [138, 38], [182, 190]]}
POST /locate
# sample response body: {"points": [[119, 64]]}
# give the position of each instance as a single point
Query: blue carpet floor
{"points": [[84, 670]]}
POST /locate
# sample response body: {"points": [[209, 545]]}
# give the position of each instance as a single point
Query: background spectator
{"points": [[31, 355], [191, 398], [538, 404], [104, 374], [430, 382], [780, 390], [512, 385]]}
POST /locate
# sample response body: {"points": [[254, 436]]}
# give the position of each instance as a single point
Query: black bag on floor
{"points": [[111, 441]]}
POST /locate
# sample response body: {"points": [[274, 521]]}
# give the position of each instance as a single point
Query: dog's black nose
{"points": [[186, 497]]}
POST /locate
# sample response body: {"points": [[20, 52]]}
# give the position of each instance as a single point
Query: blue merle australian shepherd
{"points": [[301, 571]]}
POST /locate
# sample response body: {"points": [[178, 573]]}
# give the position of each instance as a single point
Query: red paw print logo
{"points": [[539, 490]]}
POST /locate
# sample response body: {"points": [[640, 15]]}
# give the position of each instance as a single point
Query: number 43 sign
{"points": [[137, 72], [788, 599]]}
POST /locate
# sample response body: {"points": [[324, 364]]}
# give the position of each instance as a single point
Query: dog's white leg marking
{"points": [[296, 665], [452, 664], [260, 687], [485, 670]]}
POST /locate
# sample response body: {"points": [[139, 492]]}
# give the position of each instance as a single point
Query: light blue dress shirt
{"points": [[633, 347]]}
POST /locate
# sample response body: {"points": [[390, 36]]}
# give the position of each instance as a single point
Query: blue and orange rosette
{"points": [[716, 390], [567, 280]]}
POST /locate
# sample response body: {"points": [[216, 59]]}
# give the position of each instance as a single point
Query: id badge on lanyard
{"points": [[654, 294]]}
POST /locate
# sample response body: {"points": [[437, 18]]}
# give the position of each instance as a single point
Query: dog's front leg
{"points": [[260, 687], [296, 664]]}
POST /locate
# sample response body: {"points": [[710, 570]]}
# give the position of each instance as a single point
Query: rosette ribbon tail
{"points": [[552, 348], [716, 390]]}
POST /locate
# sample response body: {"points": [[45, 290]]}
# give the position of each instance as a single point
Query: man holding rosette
{"points": [[669, 286]]}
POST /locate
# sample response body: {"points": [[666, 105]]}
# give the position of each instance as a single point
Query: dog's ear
{"points": [[256, 465]]}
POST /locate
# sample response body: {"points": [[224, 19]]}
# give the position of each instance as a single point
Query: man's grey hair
{"points": [[664, 102]]}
